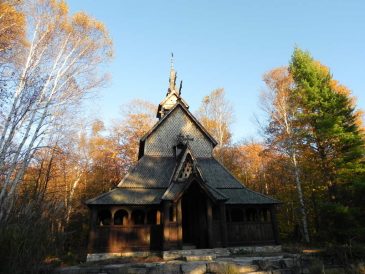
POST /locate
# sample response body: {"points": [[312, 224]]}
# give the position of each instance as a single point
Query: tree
{"points": [[216, 115], [12, 29], [331, 123], [282, 127], [138, 117], [59, 66], [333, 136]]}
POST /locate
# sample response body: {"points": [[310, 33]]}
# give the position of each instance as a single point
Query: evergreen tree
{"points": [[331, 132]]}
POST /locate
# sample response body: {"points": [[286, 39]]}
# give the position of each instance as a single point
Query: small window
{"points": [[138, 217], [186, 170], [120, 217], [104, 217], [236, 215]]}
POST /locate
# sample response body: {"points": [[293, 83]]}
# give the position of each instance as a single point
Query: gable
{"points": [[162, 138], [169, 102]]}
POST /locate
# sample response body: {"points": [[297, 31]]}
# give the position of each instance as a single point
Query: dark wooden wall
{"points": [[116, 239], [227, 228]]}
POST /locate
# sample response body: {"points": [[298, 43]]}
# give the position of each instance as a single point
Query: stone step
{"points": [[243, 265], [193, 258], [174, 254]]}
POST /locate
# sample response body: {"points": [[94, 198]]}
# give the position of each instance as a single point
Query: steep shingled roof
{"points": [[150, 172], [216, 175], [150, 182], [128, 196]]}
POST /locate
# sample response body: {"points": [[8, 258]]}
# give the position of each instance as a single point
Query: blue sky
{"points": [[228, 44]]}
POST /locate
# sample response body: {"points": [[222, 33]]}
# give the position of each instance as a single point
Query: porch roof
{"points": [[129, 196], [246, 196]]}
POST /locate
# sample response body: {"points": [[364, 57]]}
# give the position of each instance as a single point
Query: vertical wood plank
{"points": [[210, 223], [179, 224], [274, 224], [166, 227], [223, 224]]}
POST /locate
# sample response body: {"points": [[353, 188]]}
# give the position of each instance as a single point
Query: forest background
{"points": [[310, 154]]}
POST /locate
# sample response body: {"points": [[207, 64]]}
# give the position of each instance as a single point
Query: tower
{"points": [[173, 94]]}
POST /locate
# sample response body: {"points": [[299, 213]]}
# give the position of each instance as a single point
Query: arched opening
{"points": [[236, 215], [138, 217], [264, 215], [172, 214], [104, 217], [251, 215], [120, 217]]}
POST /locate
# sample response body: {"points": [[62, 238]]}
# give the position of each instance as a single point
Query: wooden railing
{"points": [[128, 238], [249, 233]]}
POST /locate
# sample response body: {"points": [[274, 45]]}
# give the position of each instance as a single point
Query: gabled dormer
{"points": [[187, 165]]}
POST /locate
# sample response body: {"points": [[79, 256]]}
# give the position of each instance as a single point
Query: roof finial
{"points": [[172, 75]]}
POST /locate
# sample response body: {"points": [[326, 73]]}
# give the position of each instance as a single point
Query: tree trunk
{"points": [[301, 199]]}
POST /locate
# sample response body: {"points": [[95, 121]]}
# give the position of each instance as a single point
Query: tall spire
{"points": [[173, 95], [172, 79]]}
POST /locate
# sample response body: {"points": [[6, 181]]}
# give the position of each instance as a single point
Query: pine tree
{"points": [[331, 132]]}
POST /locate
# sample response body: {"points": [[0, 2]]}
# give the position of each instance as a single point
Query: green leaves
{"points": [[326, 113]]}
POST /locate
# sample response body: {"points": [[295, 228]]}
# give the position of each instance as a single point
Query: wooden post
{"points": [[129, 217], [274, 224], [166, 227], [179, 224], [223, 223], [210, 223], [158, 217]]}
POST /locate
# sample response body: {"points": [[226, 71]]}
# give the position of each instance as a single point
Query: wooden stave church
{"points": [[178, 194]]}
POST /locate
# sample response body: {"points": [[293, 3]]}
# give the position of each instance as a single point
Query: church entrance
{"points": [[194, 217]]}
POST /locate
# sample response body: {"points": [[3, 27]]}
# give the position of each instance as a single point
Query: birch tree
{"points": [[215, 113], [281, 130], [60, 65]]}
